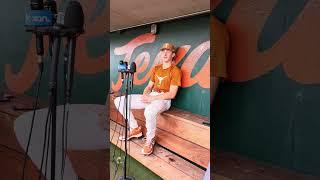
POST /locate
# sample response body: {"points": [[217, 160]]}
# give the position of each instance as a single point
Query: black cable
{"points": [[64, 109], [50, 49], [123, 129], [13, 156], [68, 104], [66, 139], [126, 110], [48, 142], [130, 97], [63, 140], [12, 149], [33, 117], [45, 140], [128, 121]]}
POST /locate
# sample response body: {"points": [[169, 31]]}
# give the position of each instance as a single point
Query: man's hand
{"points": [[148, 89], [146, 98]]}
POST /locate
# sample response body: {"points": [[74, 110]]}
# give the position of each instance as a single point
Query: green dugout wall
{"points": [[191, 35], [268, 108]]}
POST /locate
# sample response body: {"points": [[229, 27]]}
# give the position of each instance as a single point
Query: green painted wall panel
{"points": [[273, 116], [191, 31]]}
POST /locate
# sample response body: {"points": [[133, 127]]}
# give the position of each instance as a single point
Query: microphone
{"points": [[70, 65], [36, 4], [37, 16], [33, 17], [73, 20], [122, 67], [40, 51], [51, 5], [132, 70], [65, 64]]}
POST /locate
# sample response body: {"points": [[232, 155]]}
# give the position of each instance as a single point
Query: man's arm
{"points": [[165, 96], [168, 95], [148, 89]]}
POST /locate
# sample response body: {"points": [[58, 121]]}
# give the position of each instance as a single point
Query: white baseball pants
{"points": [[150, 113]]}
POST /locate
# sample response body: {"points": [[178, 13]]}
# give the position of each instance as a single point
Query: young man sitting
{"points": [[156, 98]]}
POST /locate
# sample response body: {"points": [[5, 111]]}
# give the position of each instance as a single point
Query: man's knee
{"points": [[150, 113]]}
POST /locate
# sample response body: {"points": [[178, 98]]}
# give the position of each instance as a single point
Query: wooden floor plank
{"points": [[235, 166]]}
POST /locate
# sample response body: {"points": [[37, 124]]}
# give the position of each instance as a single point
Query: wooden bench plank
{"points": [[181, 123], [18, 100], [186, 149], [188, 130], [192, 118], [162, 162]]}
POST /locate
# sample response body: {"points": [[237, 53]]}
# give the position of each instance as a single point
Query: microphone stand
{"points": [[56, 32], [53, 99], [125, 177]]}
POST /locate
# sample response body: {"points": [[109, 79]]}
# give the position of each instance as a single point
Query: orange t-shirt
{"points": [[163, 78]]}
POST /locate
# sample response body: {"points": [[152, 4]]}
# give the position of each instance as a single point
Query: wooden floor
{"points": [[162, 162], [236, 167], [90, 165]]}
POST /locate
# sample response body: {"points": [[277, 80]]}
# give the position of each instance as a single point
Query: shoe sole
{"points": [[135, 136], [147, 154]]}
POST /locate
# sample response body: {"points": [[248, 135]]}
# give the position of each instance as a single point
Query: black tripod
{"points": [[128, 72], [56, 33], [53, 99], [71, 27]]}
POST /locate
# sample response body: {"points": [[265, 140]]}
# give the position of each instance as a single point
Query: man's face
{"points": [[167, 55]]}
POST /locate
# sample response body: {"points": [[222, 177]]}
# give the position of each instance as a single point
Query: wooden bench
{"points": [[179, 134]]}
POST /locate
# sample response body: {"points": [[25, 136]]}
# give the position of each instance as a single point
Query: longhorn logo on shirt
{"points": [[160, 79]]}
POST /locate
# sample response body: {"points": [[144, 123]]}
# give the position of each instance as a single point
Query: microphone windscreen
{"points": [[133, 67], [36, 4], [51, 6], [74, 17], [122, 67]]}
